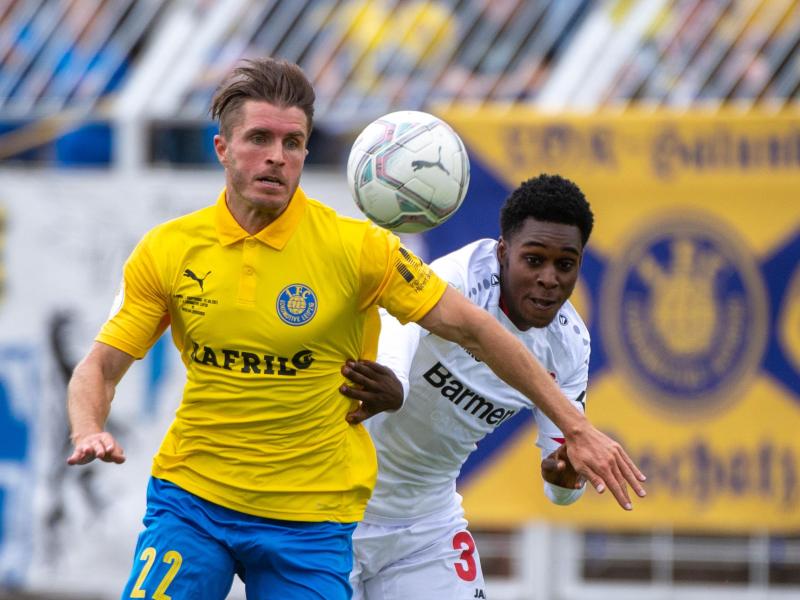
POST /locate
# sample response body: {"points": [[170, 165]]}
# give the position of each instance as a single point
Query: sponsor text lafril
{"points": [[253, 363]]}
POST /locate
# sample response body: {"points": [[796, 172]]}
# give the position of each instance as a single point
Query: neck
{"points": [[252, 218], [504, 307], [502, 301]]}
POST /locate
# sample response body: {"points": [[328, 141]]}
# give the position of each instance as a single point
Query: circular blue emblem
{"points": [[685, 312], [297, 304]]}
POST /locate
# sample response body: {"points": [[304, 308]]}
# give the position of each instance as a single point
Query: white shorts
{"points": [[434, 558]]}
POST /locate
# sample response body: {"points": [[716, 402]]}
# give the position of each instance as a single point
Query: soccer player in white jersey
{"points": [[413, 541]]}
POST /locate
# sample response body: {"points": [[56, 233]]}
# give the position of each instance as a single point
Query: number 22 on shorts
{"points": [[465, 566], [148, 556]]}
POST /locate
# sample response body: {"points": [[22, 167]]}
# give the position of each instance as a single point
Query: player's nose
{"points": [[273, 153], [546, 277]]}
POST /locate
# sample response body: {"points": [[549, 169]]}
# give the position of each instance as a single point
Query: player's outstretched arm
{"points": [[601, 460], [376, 388], [89, 396]]}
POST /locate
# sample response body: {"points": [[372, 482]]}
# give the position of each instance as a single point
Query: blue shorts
{"points": [[191, 549]]}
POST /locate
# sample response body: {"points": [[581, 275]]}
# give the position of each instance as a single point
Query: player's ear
{"points": [[221, 148], [502, 250]]}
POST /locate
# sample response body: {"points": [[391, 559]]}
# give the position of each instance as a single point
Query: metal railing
{"points": [[545, 562], [134, 61]]}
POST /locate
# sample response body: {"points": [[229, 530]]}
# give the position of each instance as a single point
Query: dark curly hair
{"points": [[549, 198], [278, 82]]}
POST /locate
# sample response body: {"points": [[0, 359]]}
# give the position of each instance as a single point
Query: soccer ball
{"points": [[408, 171]]}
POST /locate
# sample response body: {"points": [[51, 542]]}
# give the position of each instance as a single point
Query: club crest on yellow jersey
{"points": [[297, 304]]}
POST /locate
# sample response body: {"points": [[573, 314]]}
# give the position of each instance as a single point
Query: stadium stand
{"points": [[105, 64]]}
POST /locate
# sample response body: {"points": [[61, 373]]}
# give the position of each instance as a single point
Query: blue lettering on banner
{"points": [[557, 144], [702, 474], [697, 472], [723, 150]]}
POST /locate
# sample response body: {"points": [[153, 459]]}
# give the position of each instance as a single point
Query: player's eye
{"points": [[293, 144], [566, 265]]}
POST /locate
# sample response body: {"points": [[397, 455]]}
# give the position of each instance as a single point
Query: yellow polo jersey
{"points": [[264, 324]]}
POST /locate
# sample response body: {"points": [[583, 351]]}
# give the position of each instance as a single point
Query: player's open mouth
{"points": [[543, 304], [270, 181]]}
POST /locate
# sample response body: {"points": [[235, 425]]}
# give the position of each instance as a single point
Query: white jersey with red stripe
{"points": [[454, 400]]}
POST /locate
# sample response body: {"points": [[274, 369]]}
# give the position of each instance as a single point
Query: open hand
{"points": [[101, 446], [376, 388], [604, 464]]}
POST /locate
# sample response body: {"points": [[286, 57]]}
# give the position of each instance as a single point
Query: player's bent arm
{"points": [[89, 395], [456, 319], [594, 455]]}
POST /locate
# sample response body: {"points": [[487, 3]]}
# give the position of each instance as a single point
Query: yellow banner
{"points": [[691, 290]]}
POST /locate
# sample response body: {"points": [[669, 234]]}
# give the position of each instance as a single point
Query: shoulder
{"points": [[476, 254], [357, 243], [472, 269], [323, 216], [571, 333], [188, 224], [318, 210]]}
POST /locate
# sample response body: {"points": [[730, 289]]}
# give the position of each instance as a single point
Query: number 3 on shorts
{"points": [[465, 566], [148, 556]]}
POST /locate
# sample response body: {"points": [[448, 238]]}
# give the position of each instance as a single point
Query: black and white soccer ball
{"points": [[408, 171]]}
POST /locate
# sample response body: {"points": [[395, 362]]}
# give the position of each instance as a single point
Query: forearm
{"points": [[91, 389], [514, 364], [88, 400], [456, 319]]}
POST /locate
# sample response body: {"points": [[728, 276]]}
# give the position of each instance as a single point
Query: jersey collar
{"points": [[275, 235], [501, 302]]}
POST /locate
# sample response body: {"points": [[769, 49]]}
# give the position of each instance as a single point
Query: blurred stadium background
{"points": [[678, 118]]}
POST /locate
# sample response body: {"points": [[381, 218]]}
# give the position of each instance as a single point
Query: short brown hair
{"points": [[278, 82]]}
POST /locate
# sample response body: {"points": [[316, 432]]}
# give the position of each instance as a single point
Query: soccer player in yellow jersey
{"points": [[270, 297]]}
